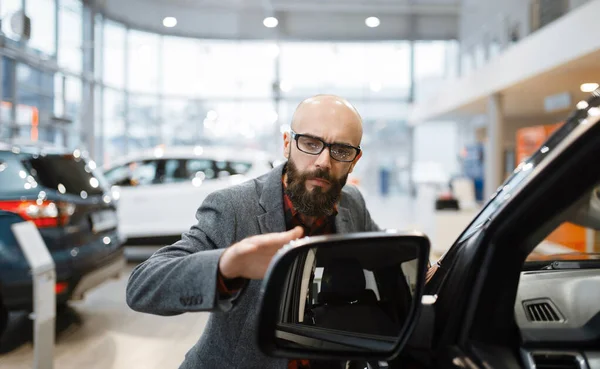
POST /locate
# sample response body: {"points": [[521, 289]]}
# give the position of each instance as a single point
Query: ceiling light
{"points": [[589, 87], [372, 22], [582, 105], [594, 112], [170, 22], [270, 22]]}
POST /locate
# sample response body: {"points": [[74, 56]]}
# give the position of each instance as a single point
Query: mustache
{"points": [[319, 174]]}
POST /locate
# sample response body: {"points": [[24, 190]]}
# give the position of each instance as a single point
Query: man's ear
{"points": [[286, 145], [354, 162]]}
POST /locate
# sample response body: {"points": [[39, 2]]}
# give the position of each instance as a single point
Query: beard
{"points": [[315, 203]]}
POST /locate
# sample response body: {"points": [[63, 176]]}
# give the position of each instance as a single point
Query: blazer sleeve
{"points": [[183, 277]]}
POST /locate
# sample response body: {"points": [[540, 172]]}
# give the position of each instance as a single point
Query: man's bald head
{"points": [[331, 116]]}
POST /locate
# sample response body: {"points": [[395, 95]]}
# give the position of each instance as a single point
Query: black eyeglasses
{"points": [[315, 146]]}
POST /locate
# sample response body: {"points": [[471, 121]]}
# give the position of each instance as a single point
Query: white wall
{"points": [[485, 22]]}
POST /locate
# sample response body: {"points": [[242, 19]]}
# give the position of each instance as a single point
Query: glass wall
{"points": [[154, 90]]}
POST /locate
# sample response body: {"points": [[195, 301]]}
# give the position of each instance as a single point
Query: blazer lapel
{"points": [[343, 221], [271, 200]]}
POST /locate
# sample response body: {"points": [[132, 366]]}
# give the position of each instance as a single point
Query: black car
{"points": [[500, 297], [68, 200]]}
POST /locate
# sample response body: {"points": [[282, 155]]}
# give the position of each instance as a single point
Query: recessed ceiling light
{"points": [[170, 22], [270, 22], [372, 22], [594, 112], [582, 105], [589, 87]]}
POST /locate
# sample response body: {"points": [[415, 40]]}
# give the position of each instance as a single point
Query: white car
{"points": [[160, 190]]}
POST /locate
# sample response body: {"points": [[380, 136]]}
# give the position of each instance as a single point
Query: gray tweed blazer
{"points": [[182, 278]]}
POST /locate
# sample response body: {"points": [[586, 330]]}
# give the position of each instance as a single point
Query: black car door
{"points": [[476, 281]]}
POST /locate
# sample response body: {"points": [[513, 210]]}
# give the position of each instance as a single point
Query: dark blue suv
{"points": [[70, 202]]}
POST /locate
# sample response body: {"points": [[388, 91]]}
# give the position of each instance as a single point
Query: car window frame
{"points": [[491, 263], [474, 261]]}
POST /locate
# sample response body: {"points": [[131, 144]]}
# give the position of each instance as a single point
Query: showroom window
{"points": [[242, 123], [114, 54], [236, 69], [181, 67], [354, 70], [183, 121], [143, 129], [70, 33], [34, 103], [43, 32], [98, 46], [98, 124], [143, 61], [114, 134], [434, 62], [73, 93]]}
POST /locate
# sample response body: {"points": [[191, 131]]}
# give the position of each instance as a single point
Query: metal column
{"points": [[88, 133], [494, 150]]}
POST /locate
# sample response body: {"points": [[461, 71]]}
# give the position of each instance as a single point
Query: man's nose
{"points": [[324, 159]]}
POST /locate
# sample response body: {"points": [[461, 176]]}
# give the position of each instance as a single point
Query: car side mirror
{"points": [[343, 297]]}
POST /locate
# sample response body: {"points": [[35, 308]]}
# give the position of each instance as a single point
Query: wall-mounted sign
{"points": [[558, 102]]}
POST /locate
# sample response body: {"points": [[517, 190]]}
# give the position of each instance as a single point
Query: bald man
{"points": [[218, 264]]}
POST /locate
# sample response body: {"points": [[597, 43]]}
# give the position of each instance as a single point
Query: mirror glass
{"points": [[356, 295]]}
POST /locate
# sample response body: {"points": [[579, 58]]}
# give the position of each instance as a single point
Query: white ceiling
{"points": [[298, 19]]}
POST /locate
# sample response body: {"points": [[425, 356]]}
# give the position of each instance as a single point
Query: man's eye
{"points": [[342, 152], [312, 144]]}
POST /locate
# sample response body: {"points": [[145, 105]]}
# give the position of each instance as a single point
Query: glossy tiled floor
{"points": [[103, 333]]}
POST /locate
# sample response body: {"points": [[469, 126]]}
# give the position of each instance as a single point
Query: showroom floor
{"points": [[101, 332]]}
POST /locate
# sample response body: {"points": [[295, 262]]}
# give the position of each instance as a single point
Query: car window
{"points": [[520, 176], [515, 182], [118, 174], [13, 175], [201, 168], [576, 238], [315, 288], [135, 173], [175, 171], [144, 173], [65, 173], [239, 167]]}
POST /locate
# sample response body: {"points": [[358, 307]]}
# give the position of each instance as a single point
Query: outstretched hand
{"points": [[250, 257]]}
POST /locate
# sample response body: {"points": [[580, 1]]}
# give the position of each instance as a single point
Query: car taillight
{"points": [[43, 213]]}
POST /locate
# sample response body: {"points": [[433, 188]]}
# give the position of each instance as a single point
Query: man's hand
{"points": [[250, 257]]}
